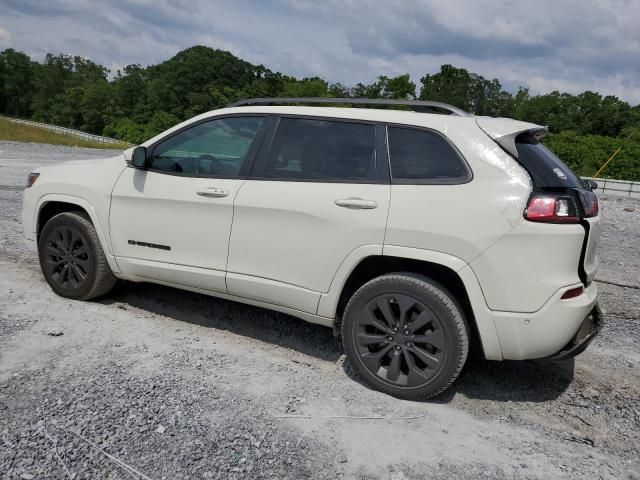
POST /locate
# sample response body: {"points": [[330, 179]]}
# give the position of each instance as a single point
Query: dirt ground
{"points": [[153, 382]]}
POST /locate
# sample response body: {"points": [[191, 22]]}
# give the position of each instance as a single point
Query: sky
{"points": [[545, 45]]}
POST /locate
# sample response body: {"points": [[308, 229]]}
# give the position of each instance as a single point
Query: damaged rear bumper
{"points": [[589, 328]]}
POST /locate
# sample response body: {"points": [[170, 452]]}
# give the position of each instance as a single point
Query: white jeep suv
{"points": [[414, 231]]}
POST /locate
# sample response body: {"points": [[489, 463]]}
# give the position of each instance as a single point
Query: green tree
{"points": [[400, 87], [307, 87], [465, 90], [16, 83], [139, 102]]}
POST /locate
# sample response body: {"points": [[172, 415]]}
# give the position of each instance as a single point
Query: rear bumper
{"points": [[555, 329], [590, 327]]}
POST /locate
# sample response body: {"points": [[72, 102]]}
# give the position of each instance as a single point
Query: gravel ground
{"points": [[153, 382]]}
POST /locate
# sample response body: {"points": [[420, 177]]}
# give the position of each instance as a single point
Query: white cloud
{"points": [[571, 45], [5, 38]]}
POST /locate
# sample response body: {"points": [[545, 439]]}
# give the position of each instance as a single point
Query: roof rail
{"points": [[415, 105]]}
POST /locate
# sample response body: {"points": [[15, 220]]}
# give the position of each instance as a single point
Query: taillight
{"points": [[549, 208], [589, 203]]}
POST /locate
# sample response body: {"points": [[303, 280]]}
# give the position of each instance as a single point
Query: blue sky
{"points": [[566, 45]]}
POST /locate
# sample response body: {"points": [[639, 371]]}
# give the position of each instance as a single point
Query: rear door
{"points": [[317, 193]]}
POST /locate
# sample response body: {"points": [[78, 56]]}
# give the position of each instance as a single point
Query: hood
{"points": [[90, 162]]}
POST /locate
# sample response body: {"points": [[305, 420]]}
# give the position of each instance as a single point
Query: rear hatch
{"points": [[549, 175]]}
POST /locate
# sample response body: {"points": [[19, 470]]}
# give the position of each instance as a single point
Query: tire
{"points": [[71, 257], [427, 352]]}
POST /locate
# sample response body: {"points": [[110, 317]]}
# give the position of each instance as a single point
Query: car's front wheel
{"points": [[72, 259], [405, 335]]}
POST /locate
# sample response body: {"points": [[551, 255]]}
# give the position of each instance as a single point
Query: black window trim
{"points": [[381, 167], [249, 160], [257, 155], [461, 180]]}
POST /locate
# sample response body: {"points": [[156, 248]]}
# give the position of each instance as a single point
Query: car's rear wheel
{"points": [[405, 335], [72, 259]]}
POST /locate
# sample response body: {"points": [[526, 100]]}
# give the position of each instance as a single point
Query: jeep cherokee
{"points": [[413, 231]]}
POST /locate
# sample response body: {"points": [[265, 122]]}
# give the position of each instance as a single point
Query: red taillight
{"points": [[551, 209], [589, 204], [573, 293]]}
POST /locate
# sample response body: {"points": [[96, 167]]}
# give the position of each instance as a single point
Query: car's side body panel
{"points": [[523, 269], [162, 220], [86, 184], [461, 220], [328, 302], [210, 280], [93, 215], [308, 317], [293, 232], [273, 292]]}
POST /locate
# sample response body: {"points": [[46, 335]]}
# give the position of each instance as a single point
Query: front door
{"points": [[171, 222]]}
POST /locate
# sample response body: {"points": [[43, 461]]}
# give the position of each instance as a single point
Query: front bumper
{"points": [[28, 216], [590, 327]]}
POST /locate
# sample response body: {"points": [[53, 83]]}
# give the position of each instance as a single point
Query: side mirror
{"points": [[593, 185], [136, 157]]}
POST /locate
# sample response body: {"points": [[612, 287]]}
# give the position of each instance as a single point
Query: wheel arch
{"points": [[53, 204], [451, 272], [48, 210]]}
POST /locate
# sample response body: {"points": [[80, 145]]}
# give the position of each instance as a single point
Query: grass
{"points": [[17, 132]]}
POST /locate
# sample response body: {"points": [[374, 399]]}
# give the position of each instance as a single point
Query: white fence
{"points": [[65, 131], [622, 188]]}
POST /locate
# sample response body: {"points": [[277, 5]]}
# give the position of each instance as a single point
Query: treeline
{"points": [[138, 102]]}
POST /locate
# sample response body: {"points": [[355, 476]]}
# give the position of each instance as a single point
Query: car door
{"points": [[171, 221], [316, 194]]}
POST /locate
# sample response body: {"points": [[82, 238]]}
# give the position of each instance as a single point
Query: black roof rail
{"points": [[415, 105]]}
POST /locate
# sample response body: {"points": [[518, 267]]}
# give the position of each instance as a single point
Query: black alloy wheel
{"points": [[67, 260], [400, 339], [405, 335], [72, 259]]}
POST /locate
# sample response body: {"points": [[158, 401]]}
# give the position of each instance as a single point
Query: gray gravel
{"points": [[179, 385]]}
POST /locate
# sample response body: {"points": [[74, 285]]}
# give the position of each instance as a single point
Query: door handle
{"points": [[356, 203], [213, 192]]}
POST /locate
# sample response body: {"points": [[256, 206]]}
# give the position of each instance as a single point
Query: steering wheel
{"points": [[209, 165]]}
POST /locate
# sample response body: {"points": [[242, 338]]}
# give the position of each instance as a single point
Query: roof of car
{"points": [[424, 106], [456, 118], [370, 114]]}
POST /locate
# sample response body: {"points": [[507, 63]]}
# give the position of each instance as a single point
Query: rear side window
{"points": [[321, 150], [545, 168], [420, 156]]}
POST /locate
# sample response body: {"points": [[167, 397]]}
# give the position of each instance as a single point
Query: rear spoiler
{"points": [[505, 130]]}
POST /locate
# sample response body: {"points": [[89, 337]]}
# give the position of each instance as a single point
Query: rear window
{"points": [[420, 156], [545, 168]]}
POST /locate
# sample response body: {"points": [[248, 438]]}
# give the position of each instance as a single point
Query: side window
{"points": [[322, 150], [211, 149], [424, 157]]}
